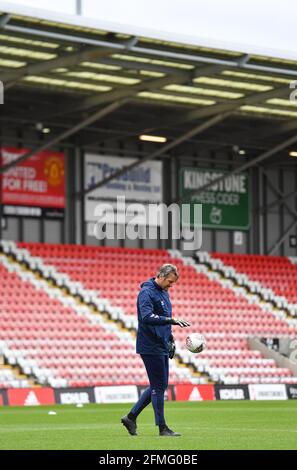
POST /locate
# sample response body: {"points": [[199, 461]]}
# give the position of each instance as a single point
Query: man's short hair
{"points": [[166, 269]]}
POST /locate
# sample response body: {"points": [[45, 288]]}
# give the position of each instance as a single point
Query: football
{"points": [[195, 343]]}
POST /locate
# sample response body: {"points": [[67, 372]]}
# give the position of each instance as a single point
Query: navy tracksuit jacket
{"points": [[153, 309]]}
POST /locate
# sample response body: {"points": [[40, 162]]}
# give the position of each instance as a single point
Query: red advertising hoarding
{"points": [[194, 392], [38, 181], [30, 396]]}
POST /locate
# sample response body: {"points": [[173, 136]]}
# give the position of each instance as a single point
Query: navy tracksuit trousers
{"points": [[157, 369]]}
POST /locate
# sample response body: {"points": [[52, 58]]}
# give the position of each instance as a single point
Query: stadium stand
{"points": [[227, 319], [58, 341]]}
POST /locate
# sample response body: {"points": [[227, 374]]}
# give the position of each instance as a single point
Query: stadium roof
{"points": [[57, 73]]}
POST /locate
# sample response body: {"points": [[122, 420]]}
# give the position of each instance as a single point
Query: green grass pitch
{"points": [[204, 425]]}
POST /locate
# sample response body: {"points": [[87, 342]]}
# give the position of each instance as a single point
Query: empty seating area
{"points": [[115, 272], [225, 318], [275, 272], [227, 321], [54, 343]]}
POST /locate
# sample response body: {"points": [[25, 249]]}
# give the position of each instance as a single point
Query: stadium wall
{"points": [[130, 394]]}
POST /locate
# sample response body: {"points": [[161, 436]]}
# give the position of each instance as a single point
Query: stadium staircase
{"points": [[12, 377]]}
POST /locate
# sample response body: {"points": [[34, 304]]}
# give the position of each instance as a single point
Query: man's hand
{"points": [[179, 322], [171, 349]]}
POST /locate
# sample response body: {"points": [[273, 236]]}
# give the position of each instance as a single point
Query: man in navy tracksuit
{"points": [[155, 344]]}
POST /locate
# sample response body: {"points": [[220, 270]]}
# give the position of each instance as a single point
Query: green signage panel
{"points": [[225, 205]]}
